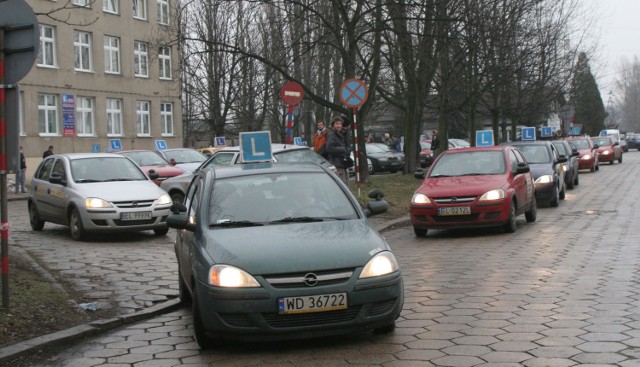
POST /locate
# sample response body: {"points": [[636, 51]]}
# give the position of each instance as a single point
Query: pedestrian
{"points": [[320, 139], [48, 152], [435, 143], [388, 140], [338, 148], [21, 174]]}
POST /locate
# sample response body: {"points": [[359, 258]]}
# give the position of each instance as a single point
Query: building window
{"points": [[48, 114], [165, 62], [163, 12], [47, 51], [166, 118], [114, 117], [84, 3], [110, 6], [111, 55], [143, 118], [141, 59], [82, 51], [140, 9], [84, 116]]}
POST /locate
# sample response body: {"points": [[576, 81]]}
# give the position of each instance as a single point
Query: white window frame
{"points": [[111, 6], [44, 51], [166, 118], [114, 117], [23, 132], [143, 118], [111, 55], [141, 59], [140, 9], [82, 3], [164, 12], [85, 116], [50, 110], [82, 45], [164, 62]]}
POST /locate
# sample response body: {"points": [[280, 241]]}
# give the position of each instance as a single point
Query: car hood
{"points": [[189, 167], [295, 247], [540, 169], [461, 185], [386, 155], [120, 190], [583, 152], [163, 170]]}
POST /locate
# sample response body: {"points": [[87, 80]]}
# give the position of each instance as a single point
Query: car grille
{"points": [[382, 307], [311, 319], [455, 218], [455, 200], [133, 222], [133, 204], [298, 279], [236, 319]]}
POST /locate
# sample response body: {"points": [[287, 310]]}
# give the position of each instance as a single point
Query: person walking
{"points": [[21, 174], [320, 139], [48, 152], [435, 143], [338, 148]]}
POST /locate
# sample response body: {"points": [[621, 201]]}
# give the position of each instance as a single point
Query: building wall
{"points": [[64, 79]]}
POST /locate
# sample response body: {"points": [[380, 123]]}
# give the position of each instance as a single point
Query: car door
{"points": [[185, 240], [521, 185], [57, 195], [40, 186]]}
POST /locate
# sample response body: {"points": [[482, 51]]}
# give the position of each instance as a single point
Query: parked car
{"points": [[572, 167], [186, 159], [273, 251], [152, 163], [208, 151], [609, 150], [229, 156], [352, 170], [426, 154], [474, 187], [96, 192], [384, 159], [587, 152], [633, 141], [623, 143], [546, 168]]}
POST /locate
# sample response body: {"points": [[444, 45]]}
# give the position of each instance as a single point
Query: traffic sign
{"points": [[297, 140], [546, 132], [21, 38], [220, 142], [161, 145], [115, 144], [291, 93], [95, 148], [255, 146], [353, 93], [528, 134], [484, 138]]}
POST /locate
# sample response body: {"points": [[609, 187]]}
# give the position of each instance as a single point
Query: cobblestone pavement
{"points": [[563, 291]]}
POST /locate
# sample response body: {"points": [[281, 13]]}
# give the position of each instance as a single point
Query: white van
{"points": [[611, 132]]}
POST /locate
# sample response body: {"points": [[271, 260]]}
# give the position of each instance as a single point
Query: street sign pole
{"points": [[354, 93], [4, 221], [355, 136], [289, 130]]}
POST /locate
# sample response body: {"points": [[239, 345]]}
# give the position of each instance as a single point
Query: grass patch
{"points": [[398, 189]]}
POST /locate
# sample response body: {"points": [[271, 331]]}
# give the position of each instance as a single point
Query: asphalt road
{"points": [[563, 291]]}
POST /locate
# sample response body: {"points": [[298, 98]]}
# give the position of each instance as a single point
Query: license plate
{"points": [[316, 303], [455, 210], [135, 215]]}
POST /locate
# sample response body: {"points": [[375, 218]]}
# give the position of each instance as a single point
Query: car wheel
{"points": [[202, 339], [511, 224], [612, 161], [593, 168], [620, 159], [161, 231], [532, 214], [570, 184], [183, 293], [76, 228], [576, 181], [563, 192], [556, 198], [177, 197], [420, 232], [386, 329], [34, 218]]}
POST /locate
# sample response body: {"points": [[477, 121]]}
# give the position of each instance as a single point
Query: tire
{"points": [[177, 197], [612, 161], [385, 329], [620, 159], [563, 192], [532, 214], [34, 218], [76, 229], [420, 232], [576, 181], [556, 199], [161, 231], [183, 293], [511, 224], [202, 339], [571, 183]]}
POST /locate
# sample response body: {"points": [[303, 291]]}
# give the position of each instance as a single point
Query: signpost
{"points": [[291, 94], [354, 93]]}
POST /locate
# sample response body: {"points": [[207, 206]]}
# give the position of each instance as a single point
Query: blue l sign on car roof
{"points": [[546, 132], [528, 133], [484, 138], [255, 146]]}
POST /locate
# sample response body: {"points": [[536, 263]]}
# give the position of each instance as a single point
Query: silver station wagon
{"points": [[96, 192]]}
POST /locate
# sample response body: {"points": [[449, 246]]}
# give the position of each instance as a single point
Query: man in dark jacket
{"points": [[338, 148], [435, 143], [48, 152], [21, 173]]}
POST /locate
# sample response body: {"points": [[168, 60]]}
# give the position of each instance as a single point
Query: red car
{"points": [[149, 160], [426, 154], [474, 187], [609, 150], [587, 152]]}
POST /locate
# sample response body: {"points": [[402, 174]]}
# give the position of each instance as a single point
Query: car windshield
{"points": [[299, 155], [490, 162], [561, 149], [579, 143], [535, 153], [278, 198], [185, 156], [146, 158], [425, 144], [378, 148], [459, 143], [602, 141], [105, 169]]}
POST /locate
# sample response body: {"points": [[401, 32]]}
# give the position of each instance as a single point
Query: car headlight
{"points": [[382, 263], [165, 199], [231, 277], [96, 203], [606, 152], [586, 157], [420, 199], [493, 195], [544, 179]]}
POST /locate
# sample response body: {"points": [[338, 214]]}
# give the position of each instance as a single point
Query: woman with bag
{"points": [[338, 148]]}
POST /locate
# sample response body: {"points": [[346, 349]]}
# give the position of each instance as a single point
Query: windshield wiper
{"points": [[82, 180], [298, 219], [121, 179], [236, 223]]}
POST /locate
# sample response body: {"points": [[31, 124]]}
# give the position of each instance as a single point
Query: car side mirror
{"points": [[419, 173], [153, 174], [56, 179], [616, 143], [574, 152], [177, 208], [180, 221], [522, 168], [172, 162], [596, 146], [562, 159]]}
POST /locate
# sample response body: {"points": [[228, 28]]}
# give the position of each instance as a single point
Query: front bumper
{"points": [[111, 220], [482, 215]]}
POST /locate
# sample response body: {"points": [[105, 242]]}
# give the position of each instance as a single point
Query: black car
{"points": [[633, 141], [384, 159], [571, 167]]}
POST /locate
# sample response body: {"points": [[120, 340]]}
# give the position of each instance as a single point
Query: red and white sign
{"points": [[291, 93]]}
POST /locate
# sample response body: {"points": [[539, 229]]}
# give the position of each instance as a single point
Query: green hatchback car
{"points": [[270, 251]]}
